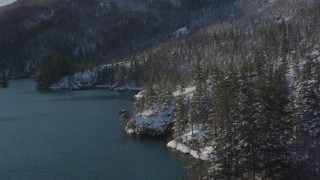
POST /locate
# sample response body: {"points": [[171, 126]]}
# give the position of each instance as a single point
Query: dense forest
{"points": [[96, 31], [254, 66], [256, 97], [257, 92]]}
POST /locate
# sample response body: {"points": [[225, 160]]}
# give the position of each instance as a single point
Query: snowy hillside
{"points": [[158, 121], [88, 79], [33, 31]]}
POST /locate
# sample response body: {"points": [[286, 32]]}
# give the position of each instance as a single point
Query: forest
{"points": [[256, 98], [255, 69], [93, 32]]}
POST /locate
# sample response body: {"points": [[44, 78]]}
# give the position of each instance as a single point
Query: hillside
{"points": [[240, 91], [98, 31], [242, 95]]}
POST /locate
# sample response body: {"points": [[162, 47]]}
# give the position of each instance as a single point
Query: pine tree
{"points": [[214, 80], [307, 100], [262, 126], [280, 127], [224, 132], [199, 103], [180, 118], [247, 135]]}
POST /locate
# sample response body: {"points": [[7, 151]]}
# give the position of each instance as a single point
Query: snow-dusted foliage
{"points": [[242, 93], [92, 78], [94, 30], [86, 79], [156, 120], [192, 142], [307, 114], [253, 118]]}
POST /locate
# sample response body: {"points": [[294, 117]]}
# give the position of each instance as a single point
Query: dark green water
{"points": [[75, 135]]}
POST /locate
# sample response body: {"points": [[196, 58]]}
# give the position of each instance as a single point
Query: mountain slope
{"points": [[253, 112], [98, 30]]}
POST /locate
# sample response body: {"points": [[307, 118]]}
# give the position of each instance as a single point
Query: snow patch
{"points": [[88, 79], [157, 119], [140, 95], [203, 153], [154, 120], [188, 92], [129, 130], [315, 53], [127, 87], [181, 32], [186, 143]]}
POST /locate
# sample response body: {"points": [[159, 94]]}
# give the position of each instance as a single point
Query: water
{"points": [[6, 2], [75, 135]]}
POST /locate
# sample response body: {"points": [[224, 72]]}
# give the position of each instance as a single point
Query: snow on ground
{"points": [[315, 53], [157, 119], [129, 130], [181, 32], [78, 80], [115, 87], [187, 92], [88, 79], [127, 87], [185, 144], [154, 121], [140, 95]]}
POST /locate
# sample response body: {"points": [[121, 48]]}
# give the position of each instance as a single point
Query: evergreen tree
{"points": [[214, 80], [247, 135], [51, 71], [276, 154], [307, 111], [199, 103], [180, 118], [150, 97], [262, 125], [224, 133]]}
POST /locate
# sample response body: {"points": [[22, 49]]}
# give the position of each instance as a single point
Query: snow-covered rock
{"points": [[140, 95], [129, 130], [156, 120], [184, 144], [181, 32]]}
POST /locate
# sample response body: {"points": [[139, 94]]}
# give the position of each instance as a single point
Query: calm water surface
{"points": [[75, 135]]}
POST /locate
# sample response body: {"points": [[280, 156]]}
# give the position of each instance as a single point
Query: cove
{"points": [[75, 135]]}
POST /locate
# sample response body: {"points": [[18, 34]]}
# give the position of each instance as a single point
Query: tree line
{"points": [[257, 96]]}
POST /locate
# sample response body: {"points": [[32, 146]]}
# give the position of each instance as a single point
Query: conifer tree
{"points": [[214, 79], [223, 113], [199, 103], [246, 128], [307, 111], [180, 118], [279, 127]]}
